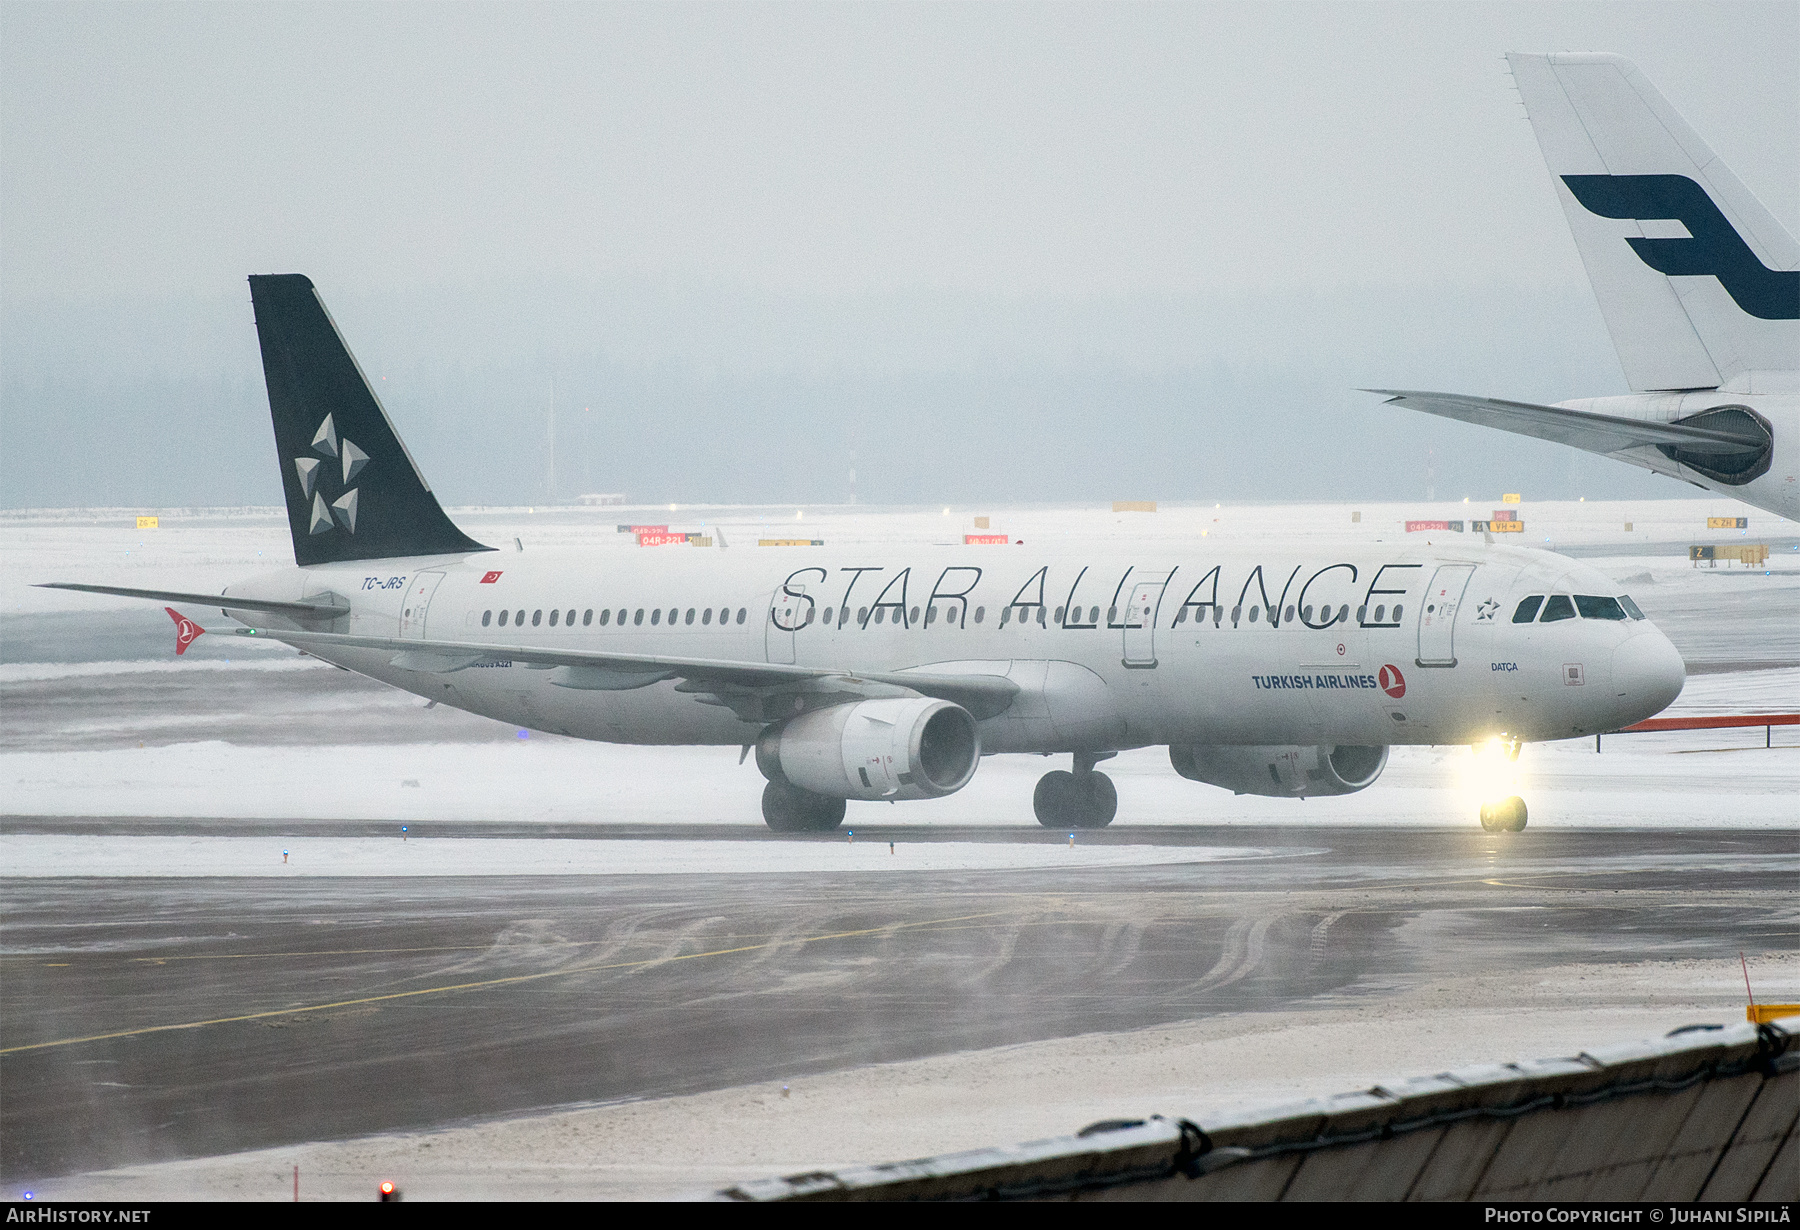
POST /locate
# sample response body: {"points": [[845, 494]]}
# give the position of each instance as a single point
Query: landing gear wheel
{"points": [[1506, 816], [790, 810], [1065, 800]]}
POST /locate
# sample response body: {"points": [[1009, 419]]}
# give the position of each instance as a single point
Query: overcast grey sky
{"points": [[834, 192]]}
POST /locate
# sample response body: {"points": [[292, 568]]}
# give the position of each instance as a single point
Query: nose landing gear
{"points": [[1505, 816], [1083, 799]]}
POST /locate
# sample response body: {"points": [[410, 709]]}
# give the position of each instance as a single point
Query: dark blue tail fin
{"points": [[353, 491]]}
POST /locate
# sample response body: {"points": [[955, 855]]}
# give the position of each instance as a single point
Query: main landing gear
{"points": [[1506, 816], [1083, 799], [788, 809]]}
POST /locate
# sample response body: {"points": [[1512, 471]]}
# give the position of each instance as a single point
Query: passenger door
{"points": [[1437, 621], [417, 603]]}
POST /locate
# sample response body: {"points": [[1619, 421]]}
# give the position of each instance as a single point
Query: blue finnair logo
{"points": [[1716, 248]]}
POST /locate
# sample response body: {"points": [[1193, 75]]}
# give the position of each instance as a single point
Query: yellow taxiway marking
{"points": [[494, 982]]}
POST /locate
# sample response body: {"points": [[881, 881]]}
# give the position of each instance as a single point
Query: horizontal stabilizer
{"points": [[984, 696], [1597, 433], [304, 610]]}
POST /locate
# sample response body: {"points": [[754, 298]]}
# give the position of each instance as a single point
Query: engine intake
{"points": [[915, 748], [1281, 772]]}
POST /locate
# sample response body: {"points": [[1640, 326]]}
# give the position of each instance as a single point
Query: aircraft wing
{"points": [[305, 610], [756, 691], [1597, 433]]}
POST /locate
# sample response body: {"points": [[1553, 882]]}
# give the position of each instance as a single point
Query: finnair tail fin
{"points": [[1699, 284], [353, 491]]}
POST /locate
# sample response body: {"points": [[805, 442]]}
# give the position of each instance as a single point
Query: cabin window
{"points": [[1255, 612], [1112, 615], [1305, 613], [519, 618], [637, 618], [1290, 614], [931, 614], [503, 615], [980, 613], [1557, 607], [1060, 611], [862, 616], [1398, 611], [1528, 609], [1381, 614], [1630, 606], [605, 618], [487, 617], [1236, 611], [1594, 607], [622, 616], [827, 617], [1343, 612], [587, 617], [810, 612], [740, 617], [1180, 616], [655, 617], [1005, 616], [706, 617], [537, 618], [690, 616], [914, 615], [1362, 613], [880, 614], [554, 616]]}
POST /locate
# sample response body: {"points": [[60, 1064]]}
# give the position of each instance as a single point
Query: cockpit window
{"points": [[1631, 608], [1528, 609], [1593, 606], [1558, 607]]}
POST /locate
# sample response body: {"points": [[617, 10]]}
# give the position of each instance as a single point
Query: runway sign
{"points": [[790, 542], [984, 540], [1134, 505], [1413, 527], [146, 523], [660, 539], [1512, 498], [1504, 514], [1712, 523], [643, 529], [1506, 527]]}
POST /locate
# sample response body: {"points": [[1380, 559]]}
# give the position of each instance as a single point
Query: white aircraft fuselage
{"points": [[1117, 647]]}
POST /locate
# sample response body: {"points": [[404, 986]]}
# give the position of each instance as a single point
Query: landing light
{"points": [[1492, 772]]}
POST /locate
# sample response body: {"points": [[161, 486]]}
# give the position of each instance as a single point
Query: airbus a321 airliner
{"points": [[886, 675]]}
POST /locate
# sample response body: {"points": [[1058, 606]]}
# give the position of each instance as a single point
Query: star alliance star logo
{"points": [[311, 470], [1485, 612]]}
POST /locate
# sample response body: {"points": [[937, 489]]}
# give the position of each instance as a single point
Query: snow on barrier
{"points": [[1707, 1113]]}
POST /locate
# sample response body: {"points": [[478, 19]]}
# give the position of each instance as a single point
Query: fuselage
{"points": [[1111, 647], [1772, 483]]}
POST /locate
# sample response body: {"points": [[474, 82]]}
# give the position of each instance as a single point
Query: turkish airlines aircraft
{"points": [[886, 674], [1699, 284]]}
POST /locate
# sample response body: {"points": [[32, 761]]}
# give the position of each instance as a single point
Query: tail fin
{"points": [[1699, 284], [353, 491]]}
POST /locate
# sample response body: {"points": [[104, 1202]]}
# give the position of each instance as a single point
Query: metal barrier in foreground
{"points": [[1707, 1113]]}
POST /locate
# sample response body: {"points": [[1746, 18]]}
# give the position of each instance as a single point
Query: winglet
{"points": [[186, 630]]}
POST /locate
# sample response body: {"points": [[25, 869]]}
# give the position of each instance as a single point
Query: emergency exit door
{"points": [[417, 602]]}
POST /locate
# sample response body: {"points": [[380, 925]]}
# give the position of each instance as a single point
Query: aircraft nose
{"points": [[1648, 674]]}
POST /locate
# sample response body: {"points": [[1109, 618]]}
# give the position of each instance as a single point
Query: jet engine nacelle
{"points": [[915, 748], [1281, 772]]}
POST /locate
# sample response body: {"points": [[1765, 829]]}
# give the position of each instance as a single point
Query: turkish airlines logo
{"points": [[1713, 246], [490, 578], [186, 630], [1392, 681]]}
